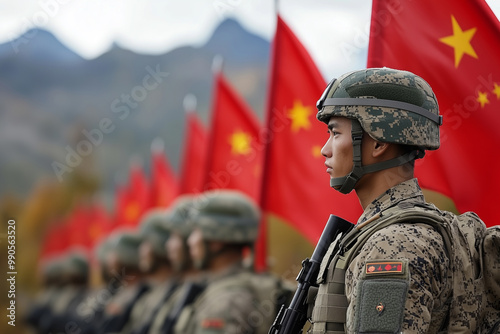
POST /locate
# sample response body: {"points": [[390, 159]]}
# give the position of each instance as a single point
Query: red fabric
{"points": [[296, 185], [78, 224], [99, 225], [55, 241], [235, 155], [164, 185], [416, 36], [132, 200], [195, 156]]}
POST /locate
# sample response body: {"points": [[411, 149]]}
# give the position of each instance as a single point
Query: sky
{"points": [[90, 27]]}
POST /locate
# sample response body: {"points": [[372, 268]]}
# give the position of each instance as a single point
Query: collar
{"points": [[407, 190]]}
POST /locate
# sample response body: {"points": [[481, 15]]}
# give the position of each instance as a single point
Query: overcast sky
{"points": [[89, 27]]}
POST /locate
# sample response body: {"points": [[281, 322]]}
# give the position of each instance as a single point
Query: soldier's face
{"points": [[146, 257], [175, 249], [196, 245], [338, 148]]}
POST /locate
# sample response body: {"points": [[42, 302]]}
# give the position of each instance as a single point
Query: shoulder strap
{"points": [[352, 243]]}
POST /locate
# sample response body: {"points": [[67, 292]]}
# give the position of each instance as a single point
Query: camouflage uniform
{"points": [[225, 306], [419, 247], [406, 263]]}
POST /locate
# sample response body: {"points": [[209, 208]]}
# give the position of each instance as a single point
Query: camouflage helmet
{"points": [[228, 216], [125, 247], [153, 229], [391, 105], [177, 218], [52, 269], [76, 266]]}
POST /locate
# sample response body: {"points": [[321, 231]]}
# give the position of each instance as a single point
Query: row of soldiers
{"points": [[184, 270]]}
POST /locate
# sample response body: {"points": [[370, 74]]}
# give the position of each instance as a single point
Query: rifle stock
{"points": [[291, 320]]}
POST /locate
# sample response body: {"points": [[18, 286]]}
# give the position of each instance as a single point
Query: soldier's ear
{"points": [[379, 148]]}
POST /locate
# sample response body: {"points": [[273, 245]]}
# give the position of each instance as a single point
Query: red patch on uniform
{"points": [[212, 323], [384, 267]]}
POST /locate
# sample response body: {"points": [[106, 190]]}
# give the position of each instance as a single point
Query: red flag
{"points": [[296, 183], [235, 158], [195, 155], [100, 224], [78, 224], [455, 47], [132, 200], [164, 186], [55, 241]]}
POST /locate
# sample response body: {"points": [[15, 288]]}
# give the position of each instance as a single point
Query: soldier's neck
{"points": [[372, 185], [225, 260], [161, 274]]}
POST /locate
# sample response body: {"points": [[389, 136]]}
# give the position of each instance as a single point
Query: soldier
{"points": [[159, 274], [122, 260], [189, 279], [397, 278], [73, 287], [225, 223], [41, 308]]}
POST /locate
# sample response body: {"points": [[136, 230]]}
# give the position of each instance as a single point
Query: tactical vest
{"points": [[328, 314]]}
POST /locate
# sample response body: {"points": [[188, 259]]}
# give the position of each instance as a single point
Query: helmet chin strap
{"points": [[346, 184]]}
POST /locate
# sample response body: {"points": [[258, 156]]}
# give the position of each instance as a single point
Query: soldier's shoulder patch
{"points": [[213, 323], [383, 267]]}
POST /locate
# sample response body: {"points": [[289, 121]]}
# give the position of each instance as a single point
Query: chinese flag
{"points": [[79, 221], [195, 155], [100, 224], [132, 200], [164, 186], [235, 158], [55, 241], [455, 47], [296, 185]]}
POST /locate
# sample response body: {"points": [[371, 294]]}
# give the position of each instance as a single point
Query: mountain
{"points": [[51, 99], [41, 47]]}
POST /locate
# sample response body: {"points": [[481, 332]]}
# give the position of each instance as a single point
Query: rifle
{"points": [[292, 319], [192, 291]]}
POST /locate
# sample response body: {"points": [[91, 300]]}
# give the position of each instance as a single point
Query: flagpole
{"points": [[261, 245]]}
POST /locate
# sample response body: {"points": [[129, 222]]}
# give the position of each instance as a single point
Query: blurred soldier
{"points": [[74, 274], [397, 279], [224, 224], [190, 280], [41, 309], [122, 261], [159, 274]]}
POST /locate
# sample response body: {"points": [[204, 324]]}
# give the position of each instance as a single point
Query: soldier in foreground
{"points": [[398, 278]]}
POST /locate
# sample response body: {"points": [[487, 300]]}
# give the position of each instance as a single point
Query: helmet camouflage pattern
{"points": [[177, 218], [153, 229], [228, 216], [392, 106], [125, 246]]}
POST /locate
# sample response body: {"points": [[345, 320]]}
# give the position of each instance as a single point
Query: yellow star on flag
{"points": [[240, 142], [482, 98], [299, 115], [460, 41], [316, 151], [132, 212], [496, 90]]}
